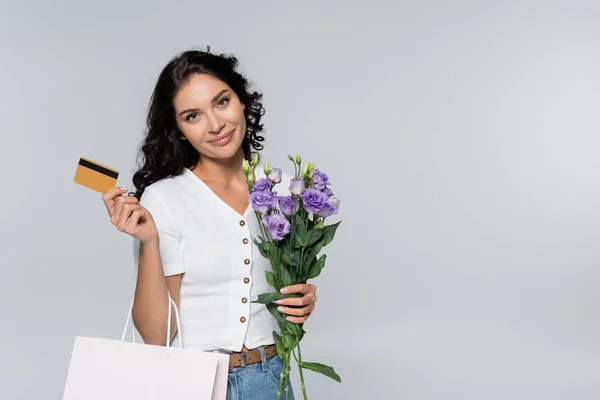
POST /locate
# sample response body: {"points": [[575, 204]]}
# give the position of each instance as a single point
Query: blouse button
{"points": [[243, 319], [247, 261], [244, 300], [242, 223], [246, 280], [245, 241]]}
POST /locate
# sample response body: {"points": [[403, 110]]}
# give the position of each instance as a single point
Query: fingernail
{"points": [[278, 301], [123, 188], [284, 290], [289, 319], [280, 309]]}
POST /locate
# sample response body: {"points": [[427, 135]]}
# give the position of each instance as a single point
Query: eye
{"points": [[191, 117], [223, 102]]}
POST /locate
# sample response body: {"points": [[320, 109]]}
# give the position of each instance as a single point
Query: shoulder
{"points": [[166, 189]]}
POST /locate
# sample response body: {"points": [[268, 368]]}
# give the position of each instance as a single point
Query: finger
{"points": [[299, 288], [121, 201], [297, 301], [297, 312], [109, 195], [126, 210], [298, 320], [131, 226]]}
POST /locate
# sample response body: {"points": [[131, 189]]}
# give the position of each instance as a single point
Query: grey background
{"points": [[462, 138]]}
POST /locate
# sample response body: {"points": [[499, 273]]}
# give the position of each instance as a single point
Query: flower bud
{"points": [[298, 159], [266, 168], [296, 186], [304, 170], [290, 158], [320, 224], [275, 175], [245, 166], [250, 178], [255, 160]]}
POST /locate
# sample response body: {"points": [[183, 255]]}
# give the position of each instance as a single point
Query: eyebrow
{"points": [[214, 99]]}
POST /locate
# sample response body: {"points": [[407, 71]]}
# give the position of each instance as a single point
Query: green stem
{"points": [[286, 367], [281, 376], [299, 360], [262, 227], [302, 262]]}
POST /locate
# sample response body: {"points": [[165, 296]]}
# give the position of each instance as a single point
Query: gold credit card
{"points": [[95, 176]]}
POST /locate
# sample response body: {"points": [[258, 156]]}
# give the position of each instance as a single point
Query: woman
{"points": [[193, 225]]}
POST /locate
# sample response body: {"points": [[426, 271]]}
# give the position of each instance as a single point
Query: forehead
{"points": [[198, 91]]}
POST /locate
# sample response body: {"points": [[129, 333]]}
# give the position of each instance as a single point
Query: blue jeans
{"points": [[258, 381]]}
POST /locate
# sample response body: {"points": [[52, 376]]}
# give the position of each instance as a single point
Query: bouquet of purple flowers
{"points": [[293, 233]]}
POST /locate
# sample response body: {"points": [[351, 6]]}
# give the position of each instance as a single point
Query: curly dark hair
{"points": [[163, 153]]}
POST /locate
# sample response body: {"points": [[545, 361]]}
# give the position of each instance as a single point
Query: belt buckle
{"points": [[243, 359]]}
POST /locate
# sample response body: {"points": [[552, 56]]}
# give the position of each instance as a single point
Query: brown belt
{"points": [[251, 357]]}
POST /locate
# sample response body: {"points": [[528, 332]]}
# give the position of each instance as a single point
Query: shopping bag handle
{"points": [[168, 344]]}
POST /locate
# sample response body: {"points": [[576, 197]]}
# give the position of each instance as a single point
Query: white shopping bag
{"points": [[103, 369]]}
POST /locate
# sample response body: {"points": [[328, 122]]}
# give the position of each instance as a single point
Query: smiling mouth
{"points": [[225, 136]]}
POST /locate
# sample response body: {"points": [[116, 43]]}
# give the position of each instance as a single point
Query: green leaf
{"points": [[329, 232], [266, 298], [278, 343], [284, 325], [322, 369], [315, 268], [302, 333], [288, 341], [271, 279], [291, 258], [263, 248], [284, 275], [298, 232], [274, 255], [314, 250], [313, 236], [295, 329], [310, 258], [298, 237], [306, 268], [272, 307]]}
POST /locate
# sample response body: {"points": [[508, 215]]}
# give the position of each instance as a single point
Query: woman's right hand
{"points": [[129, 216]]}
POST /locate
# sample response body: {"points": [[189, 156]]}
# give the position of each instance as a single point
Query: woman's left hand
{"points": [[298, 309]]}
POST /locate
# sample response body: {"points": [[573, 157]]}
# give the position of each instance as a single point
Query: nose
{"points": [[215, 124]]}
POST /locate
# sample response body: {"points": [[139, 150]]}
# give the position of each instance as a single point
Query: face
{"points": [[210, 116]]}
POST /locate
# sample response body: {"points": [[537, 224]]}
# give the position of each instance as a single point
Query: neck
{"points": [[226, 170]]}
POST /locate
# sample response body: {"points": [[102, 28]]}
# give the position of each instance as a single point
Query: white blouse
{"points": [[223, 270]]}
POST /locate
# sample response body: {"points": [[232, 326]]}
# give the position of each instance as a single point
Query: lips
{"points": [[223, 139]]}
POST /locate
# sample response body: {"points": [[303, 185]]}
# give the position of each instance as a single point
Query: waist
{"points": [[248, 357]]}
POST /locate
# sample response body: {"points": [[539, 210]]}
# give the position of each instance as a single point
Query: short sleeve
{"points": [[171, 247]]}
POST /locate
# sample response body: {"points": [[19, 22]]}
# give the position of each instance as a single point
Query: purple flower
{"points": [[327, 192], [287, 206], [296, 186], [314, 200], [320, 180], [275, 175], [330, 208], [261, 185], [263, 201], [277, 225]]}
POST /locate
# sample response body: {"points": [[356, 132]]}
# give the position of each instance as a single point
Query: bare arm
{"points": [[150, 308], [150, 312]]}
